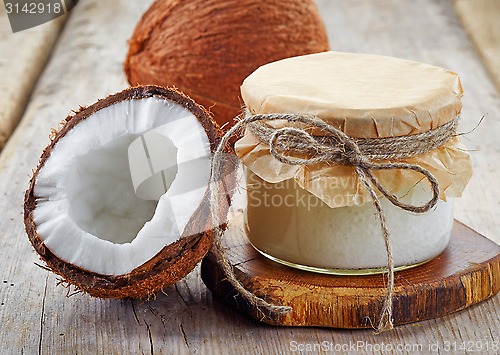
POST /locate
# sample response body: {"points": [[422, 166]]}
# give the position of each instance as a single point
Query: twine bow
{"points": [[297, 147]]}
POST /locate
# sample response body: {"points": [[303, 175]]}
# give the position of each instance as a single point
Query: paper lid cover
{"points": [[362, 94]]}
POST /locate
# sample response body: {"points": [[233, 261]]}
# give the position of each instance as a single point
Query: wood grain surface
{"points": [[86, 64], [22, 58], [481, 21], [466, 273]]}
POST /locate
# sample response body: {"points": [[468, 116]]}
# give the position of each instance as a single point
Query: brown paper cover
{"points": [[365, 96]]}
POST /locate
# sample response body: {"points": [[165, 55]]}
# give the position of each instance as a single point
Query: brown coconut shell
{"points": [[207, 48], [174, 261]]}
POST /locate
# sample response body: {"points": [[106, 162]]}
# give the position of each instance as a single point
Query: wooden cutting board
{"points": [[466, 273]]}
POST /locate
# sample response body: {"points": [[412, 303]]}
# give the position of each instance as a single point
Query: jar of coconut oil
{"points": [[320, 216]]}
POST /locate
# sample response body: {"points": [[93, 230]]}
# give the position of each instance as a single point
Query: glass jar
{"points": [[320, 217], [292, 226]]}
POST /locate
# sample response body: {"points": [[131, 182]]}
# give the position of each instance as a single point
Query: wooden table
{"points": [[86, 64]]}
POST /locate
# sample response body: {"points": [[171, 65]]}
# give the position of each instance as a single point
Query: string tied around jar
{"points": [[295, 146]]}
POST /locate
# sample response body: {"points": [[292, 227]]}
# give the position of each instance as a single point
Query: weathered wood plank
{"points": [[22, 58], [86, 64], [35, 315], [481, 20]]}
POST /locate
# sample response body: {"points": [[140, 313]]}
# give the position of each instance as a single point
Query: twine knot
{"points": [[296, 146], [295, 141]]}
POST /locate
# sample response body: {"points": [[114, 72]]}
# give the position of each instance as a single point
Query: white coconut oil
{"points": [[290, 225]]}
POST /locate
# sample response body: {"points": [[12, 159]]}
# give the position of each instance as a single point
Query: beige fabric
{"points": [[363, 95], [288, 86]]}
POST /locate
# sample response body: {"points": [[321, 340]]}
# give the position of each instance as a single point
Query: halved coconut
{"points": [[119, 203]]}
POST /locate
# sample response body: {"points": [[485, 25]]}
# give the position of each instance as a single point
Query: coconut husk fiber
{"points": [[206, 48]]}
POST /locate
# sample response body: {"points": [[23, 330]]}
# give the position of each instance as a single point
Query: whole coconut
{"points": [[206, 48]]}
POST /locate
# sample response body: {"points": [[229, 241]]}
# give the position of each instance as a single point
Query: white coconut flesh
{"points": [[90, 210]]}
